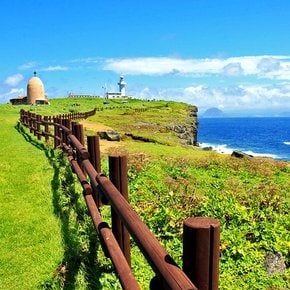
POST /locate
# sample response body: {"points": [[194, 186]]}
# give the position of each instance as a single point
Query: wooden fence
{"points": [[200, 237]]}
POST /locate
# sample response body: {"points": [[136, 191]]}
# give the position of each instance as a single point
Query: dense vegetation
{"points": [[168, 182]]}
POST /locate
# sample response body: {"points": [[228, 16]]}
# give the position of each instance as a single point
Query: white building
{"points": [[122, 90], [122, 84]]}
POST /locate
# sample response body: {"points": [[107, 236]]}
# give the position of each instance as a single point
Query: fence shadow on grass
{"points": [[80, 242]]}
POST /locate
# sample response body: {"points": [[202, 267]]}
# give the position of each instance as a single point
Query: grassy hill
{"points": [[30, 238], [55, 246]]}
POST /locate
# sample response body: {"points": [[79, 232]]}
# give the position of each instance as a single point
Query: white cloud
{"points": [[233, 69], [87, 60], [194, 90], [13, 93], [146, 66], [240, 96], [13, 80], [273, 67], [229, 98], [28, 65], [33, 65], [54, 68], [268, 64]]}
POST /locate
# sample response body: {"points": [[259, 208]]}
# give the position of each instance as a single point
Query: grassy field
{"points": [[30, 240], [47, 240]]}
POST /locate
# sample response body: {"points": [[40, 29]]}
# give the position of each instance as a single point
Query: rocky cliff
{"points": [[188, 132]]}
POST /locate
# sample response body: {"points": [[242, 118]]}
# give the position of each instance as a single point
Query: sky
{"points": [[229, 54]]}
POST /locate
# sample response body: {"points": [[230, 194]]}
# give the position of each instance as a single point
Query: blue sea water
{"points": [[268, 137]]}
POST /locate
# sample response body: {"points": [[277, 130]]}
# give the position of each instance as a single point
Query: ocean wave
{"points": [[220, 148], [286, 143], [224, 149], [255, 154]]}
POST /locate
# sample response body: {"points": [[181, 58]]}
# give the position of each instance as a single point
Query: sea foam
{"points": [[224, 149], [262, 154], [220, 148]]}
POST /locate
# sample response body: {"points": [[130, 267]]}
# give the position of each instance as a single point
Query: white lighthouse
{"points": [[122, 85], [121, 93]]}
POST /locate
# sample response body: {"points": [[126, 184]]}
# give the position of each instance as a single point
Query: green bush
{"points": [[252, 209]]}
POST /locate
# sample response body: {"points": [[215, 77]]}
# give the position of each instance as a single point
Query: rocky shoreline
{"points": [[187, 132]]}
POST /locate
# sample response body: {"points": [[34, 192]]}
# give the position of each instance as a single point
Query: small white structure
{"points": [[122, 84], [122, 90]]}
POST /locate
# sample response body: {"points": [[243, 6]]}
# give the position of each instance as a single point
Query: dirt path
{"points": [[105, 145]]}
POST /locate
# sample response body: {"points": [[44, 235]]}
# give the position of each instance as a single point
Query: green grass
{"points": [[168, 182], [249, 198], [30, 239]]}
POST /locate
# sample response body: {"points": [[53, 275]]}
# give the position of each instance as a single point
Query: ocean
{"points": [[269, 137]]}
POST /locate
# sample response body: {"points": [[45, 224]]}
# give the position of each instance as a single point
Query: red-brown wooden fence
{"points": [[201, 235]]}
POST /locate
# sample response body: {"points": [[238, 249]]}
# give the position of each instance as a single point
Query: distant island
{"points": [[213, 112]]}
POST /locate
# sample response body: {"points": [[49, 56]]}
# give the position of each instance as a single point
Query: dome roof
{"points": [[35, 81], [35, 90]]}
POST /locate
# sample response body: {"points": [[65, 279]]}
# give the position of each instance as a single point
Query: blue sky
{"points": [[234, 55]]}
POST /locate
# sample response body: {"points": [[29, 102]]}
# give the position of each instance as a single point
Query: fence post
{"points": [[118, 176], [21, 116], [73, 123], [27, 119], [46, 128], [201, 239], [30, 122], [38, 123], [56, 132], [34, 124], [24, 118], [61, 132], [93, 143], [67, 124], [94, 151], [79, 132]]}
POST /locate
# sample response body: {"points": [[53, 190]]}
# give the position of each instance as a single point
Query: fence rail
{"points": [[201, 235]]}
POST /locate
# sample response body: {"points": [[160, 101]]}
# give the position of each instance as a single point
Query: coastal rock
{"points": [[240, 154], [274, 263], [179, 128], [110, 135], [207, 148], [187, 133], [140, 138]]}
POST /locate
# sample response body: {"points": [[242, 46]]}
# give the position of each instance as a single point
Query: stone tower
{"points": [[35, 91]]}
